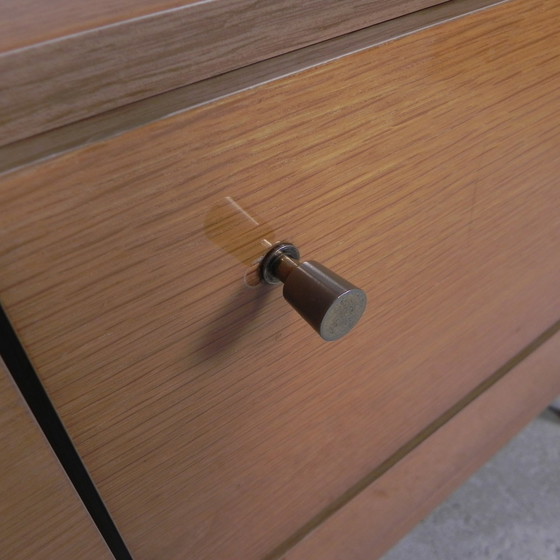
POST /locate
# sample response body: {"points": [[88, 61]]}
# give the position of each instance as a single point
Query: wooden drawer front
{"points": [[390, 507], [213, 420], [41, 517]]}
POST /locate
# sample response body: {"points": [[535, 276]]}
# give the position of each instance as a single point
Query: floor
{"points": [[509, 510]]}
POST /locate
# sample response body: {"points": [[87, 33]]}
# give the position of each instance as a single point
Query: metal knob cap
{"points": [[330, 304]]}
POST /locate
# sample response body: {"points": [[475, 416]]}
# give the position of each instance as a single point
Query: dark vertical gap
{"points": [[38, 401]]}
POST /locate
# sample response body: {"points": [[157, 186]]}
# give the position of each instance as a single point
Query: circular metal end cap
{"points": [[343, 314]]}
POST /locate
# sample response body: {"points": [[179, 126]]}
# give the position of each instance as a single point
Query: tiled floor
{"points": [[509, 510]]}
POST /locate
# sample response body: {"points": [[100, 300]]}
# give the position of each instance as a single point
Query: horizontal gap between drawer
{"points": [[360, 486], [118, 121], [75, 69]]}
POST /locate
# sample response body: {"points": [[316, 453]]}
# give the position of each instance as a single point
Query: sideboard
{"points": [[152, 152]]}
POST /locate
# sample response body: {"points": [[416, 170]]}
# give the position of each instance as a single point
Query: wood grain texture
{"points": [[41, 516], [26, 22], [87, 73], [424, 170], [122, 119], [371, 523]]}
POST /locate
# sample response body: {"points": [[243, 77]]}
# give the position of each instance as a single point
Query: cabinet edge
{"points": [[372, 517], [23, 143]]}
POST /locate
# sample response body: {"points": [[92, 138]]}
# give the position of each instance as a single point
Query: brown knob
{"points": [[330, 304]]}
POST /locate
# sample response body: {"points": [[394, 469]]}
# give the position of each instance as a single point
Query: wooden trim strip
{"points": [[371, 517], [51, 84], [116, 121], [27, 22]]}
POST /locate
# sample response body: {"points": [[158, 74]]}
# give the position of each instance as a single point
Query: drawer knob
{"points": [[330, 304]]}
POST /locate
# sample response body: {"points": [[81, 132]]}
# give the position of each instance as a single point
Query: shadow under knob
{"points": [[329, 303]]}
